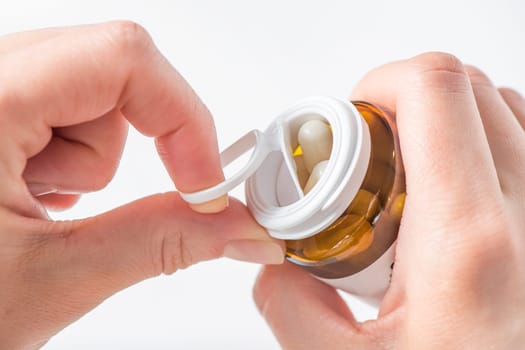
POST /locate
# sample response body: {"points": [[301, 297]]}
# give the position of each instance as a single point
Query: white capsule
{"points": [[315, 138], [317, 173]]}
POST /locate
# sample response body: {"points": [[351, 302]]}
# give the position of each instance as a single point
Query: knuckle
{"points": [[128, 36], [438, 70], [172, 253], [489, 234], [439, 61], [511, 94], [477, 76], [99, 182], [101, 174], [483, 214]]}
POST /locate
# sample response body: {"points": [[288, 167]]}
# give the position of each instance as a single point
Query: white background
{"points": [[248, 61]]}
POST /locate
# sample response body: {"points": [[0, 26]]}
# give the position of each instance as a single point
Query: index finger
{"points": [[85, 72], [445, 150]]}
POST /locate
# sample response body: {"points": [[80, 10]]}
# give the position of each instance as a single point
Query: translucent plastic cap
{"points": [[273, 193]]}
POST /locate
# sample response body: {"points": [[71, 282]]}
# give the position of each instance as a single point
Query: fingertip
{"points": [[260, 252], [288, 284], [270, 285], [262, 286], [40, 189], [302, 311], [211, 207], [59, 202]]}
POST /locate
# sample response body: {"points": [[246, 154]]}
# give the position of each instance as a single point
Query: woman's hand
{"points": [[459, 277], [66, 97]]}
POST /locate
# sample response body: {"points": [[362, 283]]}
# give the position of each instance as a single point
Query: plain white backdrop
{"points": [[248, 61]]}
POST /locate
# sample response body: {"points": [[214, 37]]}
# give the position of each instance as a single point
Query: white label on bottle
{"points": [[371, 283]]}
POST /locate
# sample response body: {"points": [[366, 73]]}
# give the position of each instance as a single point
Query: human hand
{"points": [[66, 97], [459, 277]]}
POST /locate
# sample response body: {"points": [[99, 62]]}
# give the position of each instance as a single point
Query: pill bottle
{"points": [[343, 228]]}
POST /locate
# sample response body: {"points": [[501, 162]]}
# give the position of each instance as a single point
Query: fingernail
{"points": [[214, 206], [37, 189], [260, 252]]}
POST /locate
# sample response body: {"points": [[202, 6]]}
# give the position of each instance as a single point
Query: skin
{"points": [[66, 99], [459, 276]]}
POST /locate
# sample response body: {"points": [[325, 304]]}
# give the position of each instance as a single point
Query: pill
{"points": [[396, 210], [315, 138], [316, 174], [365, 203], [352, 236]]}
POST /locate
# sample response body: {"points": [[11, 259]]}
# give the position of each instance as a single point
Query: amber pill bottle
{"points": [[344, 229]]}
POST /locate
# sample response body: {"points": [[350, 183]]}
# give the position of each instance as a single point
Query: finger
{"points": [[96, 257], [305, 313], [116, 65], [149, 238], [75, 137], [22, 40], [80, 158], [516, 102], [59, 202], [504, 133], [445, 150]]}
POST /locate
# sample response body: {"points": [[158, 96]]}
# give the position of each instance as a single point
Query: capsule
{"points": [[351, 234], [315, 139], [366, 204], [316, 174]]}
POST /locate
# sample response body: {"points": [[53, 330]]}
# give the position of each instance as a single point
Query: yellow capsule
{"points": [[396, 210], [298, 151], [366, 204], [352, 235]]}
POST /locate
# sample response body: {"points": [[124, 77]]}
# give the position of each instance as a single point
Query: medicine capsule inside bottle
{"points": [[369, 225]]}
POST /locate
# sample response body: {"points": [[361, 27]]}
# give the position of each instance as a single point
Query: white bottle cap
{"points": [[273, 193]]}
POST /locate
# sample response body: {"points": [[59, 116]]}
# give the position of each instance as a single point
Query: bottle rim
{"points": [[309, 214]]}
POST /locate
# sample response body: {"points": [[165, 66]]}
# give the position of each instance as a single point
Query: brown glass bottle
{"points": [[368, 227]]}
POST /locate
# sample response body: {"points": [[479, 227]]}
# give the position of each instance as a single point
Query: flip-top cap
{"points": [[273, 193]]}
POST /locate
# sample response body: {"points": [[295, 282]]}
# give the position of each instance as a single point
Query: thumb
{"points": [[305, 313], [78, 264], [161, 234]]}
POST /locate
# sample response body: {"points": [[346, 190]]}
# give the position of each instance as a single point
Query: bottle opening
{"points": [[320, 161], [309, 140]]}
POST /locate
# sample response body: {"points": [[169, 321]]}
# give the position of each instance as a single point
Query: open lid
{"points": [[273, 193]]}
